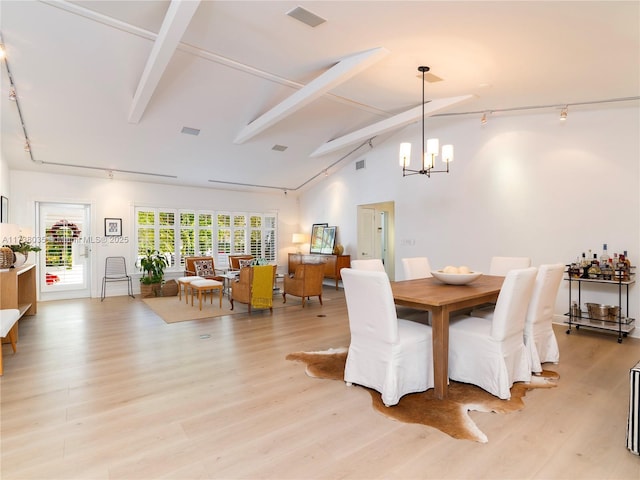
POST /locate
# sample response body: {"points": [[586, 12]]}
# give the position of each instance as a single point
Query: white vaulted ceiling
{"points": [[106, 86]]}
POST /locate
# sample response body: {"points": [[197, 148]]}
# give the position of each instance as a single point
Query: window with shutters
{"points": [[182, 233]]}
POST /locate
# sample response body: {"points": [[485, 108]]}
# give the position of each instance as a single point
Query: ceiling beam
{"points": [[339, 73], [175, 23], [397, 121]]}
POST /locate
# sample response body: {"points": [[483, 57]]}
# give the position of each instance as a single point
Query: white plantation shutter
{"points": [[65, 241], [182, 233]]}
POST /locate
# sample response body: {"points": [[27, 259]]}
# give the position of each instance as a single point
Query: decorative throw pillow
{"points": [[245, 263], [204, 268]]}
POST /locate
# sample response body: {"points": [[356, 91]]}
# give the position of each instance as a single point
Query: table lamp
{"points": [[299, 239]]}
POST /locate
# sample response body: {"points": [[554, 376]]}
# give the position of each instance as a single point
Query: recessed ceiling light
{"points": [[190, 131], [305, 16]]}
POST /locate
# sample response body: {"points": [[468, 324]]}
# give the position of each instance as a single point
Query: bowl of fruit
{"points": [[456, 275]]}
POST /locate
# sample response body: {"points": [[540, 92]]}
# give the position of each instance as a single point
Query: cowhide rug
{"points": [[449, 415]]}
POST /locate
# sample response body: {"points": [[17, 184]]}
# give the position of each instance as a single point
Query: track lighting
{"points": [[27, 147], [563, 113], [12, 94], [483, 120]]}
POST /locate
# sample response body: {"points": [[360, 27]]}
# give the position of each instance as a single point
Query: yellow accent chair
{"points": [[254, 287]]}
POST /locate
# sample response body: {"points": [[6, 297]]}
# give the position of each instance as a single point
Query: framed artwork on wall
{"points": [[112, 227], [316, 237], [4, 211]]}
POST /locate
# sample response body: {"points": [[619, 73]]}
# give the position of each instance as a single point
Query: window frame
{"points": [[239, 233]]}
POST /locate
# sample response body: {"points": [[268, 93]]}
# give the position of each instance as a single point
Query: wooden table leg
{"points": [[440, 333]]}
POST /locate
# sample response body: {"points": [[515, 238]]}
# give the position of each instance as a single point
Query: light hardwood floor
{"points": [[109, 390]]}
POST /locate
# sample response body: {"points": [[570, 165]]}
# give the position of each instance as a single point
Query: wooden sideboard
{"points": [[332, 263], [18, 290]]}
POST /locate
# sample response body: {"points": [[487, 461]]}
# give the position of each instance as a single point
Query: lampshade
{"points": [[405, 154], [298, 238], [9, 234], [447, 153], [433, 144]]}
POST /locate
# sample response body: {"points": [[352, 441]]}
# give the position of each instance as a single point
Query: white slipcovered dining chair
{"points": [[501, 265], [391, 355], [416, 267], [539, 337], [491, 354], [370, 264]]}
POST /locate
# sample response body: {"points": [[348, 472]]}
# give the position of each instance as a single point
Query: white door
{"points": [[366, 233], [376, 234], [65, 256]]}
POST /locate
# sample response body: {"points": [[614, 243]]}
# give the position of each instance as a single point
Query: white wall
{"points": [[116, 199], [522, 185]]}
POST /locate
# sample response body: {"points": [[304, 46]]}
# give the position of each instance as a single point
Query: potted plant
{"points": [[21, 252], [152, 264]]}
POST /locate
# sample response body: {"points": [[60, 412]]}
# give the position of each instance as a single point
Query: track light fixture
{"points": [[563, 113], [12, 94], [430, 153], [27, 147], [483, 120]]}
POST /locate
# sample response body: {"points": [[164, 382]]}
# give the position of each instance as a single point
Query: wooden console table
{"points": [[332, 263], [18, 290]]}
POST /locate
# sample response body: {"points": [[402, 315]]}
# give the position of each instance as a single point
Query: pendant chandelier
{"points": [[429, 154]]}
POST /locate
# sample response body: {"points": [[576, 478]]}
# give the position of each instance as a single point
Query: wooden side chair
{"points": [[202, 267]]}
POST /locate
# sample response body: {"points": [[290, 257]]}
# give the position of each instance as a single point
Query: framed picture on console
{"points": [[317, 233], [328, 240]]}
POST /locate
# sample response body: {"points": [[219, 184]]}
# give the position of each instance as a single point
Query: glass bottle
{"points": [[627, 267], [604, 258], [607, 270], [594, 269], [620, 268], [584, 265]]}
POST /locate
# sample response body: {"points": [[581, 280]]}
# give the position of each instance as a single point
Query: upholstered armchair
{"points": [[236, 260], [305, 282], [254, 287], [202, 267]]}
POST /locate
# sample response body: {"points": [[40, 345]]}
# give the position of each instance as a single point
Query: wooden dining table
{"points": [[442, 300]]}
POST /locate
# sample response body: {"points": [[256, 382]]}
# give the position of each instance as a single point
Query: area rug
{"points": [[173, 310], [450, 415]]}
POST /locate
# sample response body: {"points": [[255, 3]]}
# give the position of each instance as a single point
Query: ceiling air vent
{"points": [[190, 131], [430, 78], [360, 164], [305, 16], [279, 148]]}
